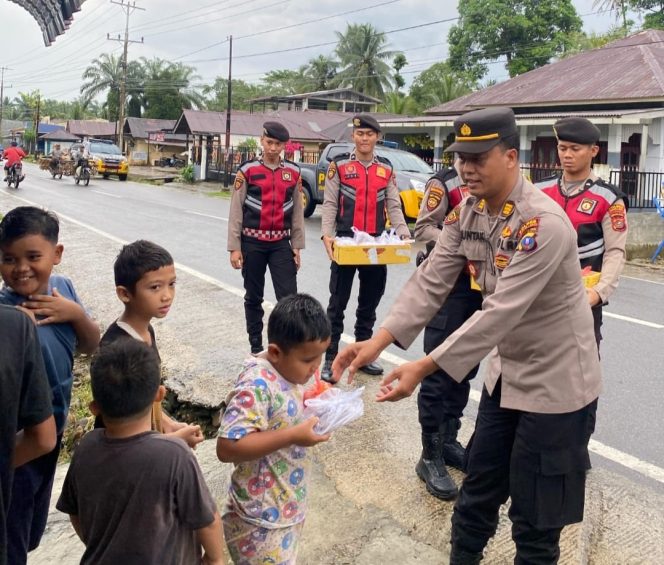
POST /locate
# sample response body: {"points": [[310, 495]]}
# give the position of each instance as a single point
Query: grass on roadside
{"points": [[219, 194], [80, 420]]}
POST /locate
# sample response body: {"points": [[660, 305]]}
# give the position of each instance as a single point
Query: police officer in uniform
{"points": [[360, 192], [441, 399], [266, 227], [538, 404], [596, 209]]}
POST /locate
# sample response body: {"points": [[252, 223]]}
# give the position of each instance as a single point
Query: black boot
{"points": [[431, 468], [326, 371], [460, 556], [453, 452]]}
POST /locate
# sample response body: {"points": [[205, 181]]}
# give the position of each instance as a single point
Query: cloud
{"points": [[174, 31]]}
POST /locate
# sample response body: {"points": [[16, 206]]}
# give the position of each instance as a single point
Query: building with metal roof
{"points": [[618, 87], [335, 100]]}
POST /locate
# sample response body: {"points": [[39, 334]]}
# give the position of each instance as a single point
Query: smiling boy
{"points": [[29, 249]]}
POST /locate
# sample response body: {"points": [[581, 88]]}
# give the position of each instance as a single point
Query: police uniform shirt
{"points": [[535, 309], [331, 202], [615, 240], [235, 215]]}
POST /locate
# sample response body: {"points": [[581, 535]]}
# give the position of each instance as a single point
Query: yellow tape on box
{"points": [[372, 254]]}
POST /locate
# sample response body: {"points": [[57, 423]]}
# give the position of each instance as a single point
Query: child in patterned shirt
{"points": [[264, 434]]}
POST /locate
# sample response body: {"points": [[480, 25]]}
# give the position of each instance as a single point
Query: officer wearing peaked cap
{"points": [[597, 209], [266, 227], [539, 400], [360, 192]]}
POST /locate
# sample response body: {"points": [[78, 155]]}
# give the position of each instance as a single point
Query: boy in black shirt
{"points": [[26, 420], [145, 283], [133, 495]]}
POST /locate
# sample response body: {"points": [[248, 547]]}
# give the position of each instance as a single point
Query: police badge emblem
{"points": [[286, 175], [587, 206]]}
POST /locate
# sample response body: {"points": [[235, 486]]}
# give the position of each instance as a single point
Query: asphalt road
{"points": [[192, 226]]}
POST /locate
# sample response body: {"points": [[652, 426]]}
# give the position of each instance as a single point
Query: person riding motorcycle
{"points": [[12, 155], [79, 155], [56, 155]]}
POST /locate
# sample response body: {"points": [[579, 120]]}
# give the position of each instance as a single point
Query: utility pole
{"points": [[37, 120], [227, 140], [2, 96], [128, 8]]}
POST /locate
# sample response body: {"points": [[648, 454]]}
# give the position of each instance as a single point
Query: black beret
{"points": [[480, 130], [366, 121], [577, 130], [276, 131]]}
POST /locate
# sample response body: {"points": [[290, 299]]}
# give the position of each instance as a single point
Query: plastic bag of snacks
{"points": [[335, 408]]}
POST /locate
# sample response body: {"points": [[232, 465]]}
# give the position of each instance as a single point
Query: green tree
{"points": [[168, 89], [362, 54], [399, 63], [619, 7], [398, 103], [286, 81], [103, 77], [241, 92], [320, 73], [26, 105], [528, 33], [653, 11], [439, 84]]}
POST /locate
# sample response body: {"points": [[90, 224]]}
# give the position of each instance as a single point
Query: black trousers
{"points": [[441, 397], [540, 461], [372, 287], [257, 257]]}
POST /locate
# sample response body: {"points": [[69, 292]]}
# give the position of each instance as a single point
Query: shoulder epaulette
{"points": [[341, 157], [384, 160], [620, 195], [293, 163]]}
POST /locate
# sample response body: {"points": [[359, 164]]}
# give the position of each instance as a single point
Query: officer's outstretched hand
{"points": [[359, 354], [403, 381]]}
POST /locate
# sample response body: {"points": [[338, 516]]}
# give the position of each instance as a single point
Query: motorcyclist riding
{"points": [[12, 155], [56, 155], [79, 155]]}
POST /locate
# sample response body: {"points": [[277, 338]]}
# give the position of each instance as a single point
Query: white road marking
{"points": [[206, 215], [106, 193], [641, 280], [624, 459], [633, 320]]}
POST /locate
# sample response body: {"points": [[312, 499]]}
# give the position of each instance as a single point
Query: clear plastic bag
{"points": [[335, 408]]}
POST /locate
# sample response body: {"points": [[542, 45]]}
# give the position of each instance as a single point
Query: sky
{"points": [[267, 35]]}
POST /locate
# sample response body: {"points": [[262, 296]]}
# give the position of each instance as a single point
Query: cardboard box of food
{"points": [[591, 278], [372, 254]]}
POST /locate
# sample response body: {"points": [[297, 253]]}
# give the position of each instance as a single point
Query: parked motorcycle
{"points": [[15, 175], [84, 172]]}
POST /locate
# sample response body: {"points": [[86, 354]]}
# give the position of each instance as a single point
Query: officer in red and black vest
{"points": [[360, 192], [441, 399], [596, 208], [266, 226]]}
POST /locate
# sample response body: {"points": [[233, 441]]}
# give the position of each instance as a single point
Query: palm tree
{"points": [[397, 103], [448, 88], [362, 54], [617, 6], [320, 72]]}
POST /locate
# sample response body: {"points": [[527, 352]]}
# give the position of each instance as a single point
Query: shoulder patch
{"points": [[240, 179], [618, 218], [332, 170], [434, 199], [527, 235], [452, 217], [528, 226]]}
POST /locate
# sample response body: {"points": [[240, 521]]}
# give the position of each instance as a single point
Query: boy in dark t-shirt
{"points": [[29, 249], [27, 426], [134, 495], [145, 284]]}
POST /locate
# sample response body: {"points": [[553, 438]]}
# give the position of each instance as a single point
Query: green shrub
{"points": [[187, 174]]}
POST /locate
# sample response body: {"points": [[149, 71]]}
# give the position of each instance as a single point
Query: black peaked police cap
{"points": [[366, 121], [276, 131], [576, 130], [480, 130]]}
